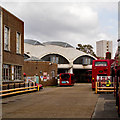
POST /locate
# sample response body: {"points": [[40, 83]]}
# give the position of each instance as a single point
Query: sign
{"points": [[63, 81], [44, 73], [45, 78], [48, 77]]}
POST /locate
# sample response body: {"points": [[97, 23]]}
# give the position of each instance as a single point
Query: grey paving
{"points": [[106, 107]]}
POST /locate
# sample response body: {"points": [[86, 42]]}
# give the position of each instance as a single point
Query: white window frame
{"points": [[6, 72], [18, 43], [17, 72], [53, 73], [8, 38]]}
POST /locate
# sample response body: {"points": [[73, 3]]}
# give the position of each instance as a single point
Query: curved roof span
{"points": [[32, 42], [69, 53], [58, 43]]}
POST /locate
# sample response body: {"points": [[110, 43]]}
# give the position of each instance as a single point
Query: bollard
{"points": [[19, 85], [96, 88], [8, 85], [38, 87], [14, 85]]}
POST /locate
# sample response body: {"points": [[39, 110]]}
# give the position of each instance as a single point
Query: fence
{"points": [[29, 88], [101, 84]]}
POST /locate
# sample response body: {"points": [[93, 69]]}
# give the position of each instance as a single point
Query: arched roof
{"points": [[69, 53], [58, 43], [87, 55], [32, 42]]}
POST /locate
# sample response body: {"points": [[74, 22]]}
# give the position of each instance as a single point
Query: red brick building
{"points": [[12, 49], [46, 71]]}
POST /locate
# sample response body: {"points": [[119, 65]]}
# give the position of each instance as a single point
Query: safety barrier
{"points": [[100, 88], [8, 92]]}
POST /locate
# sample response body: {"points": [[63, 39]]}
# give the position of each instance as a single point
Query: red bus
{"points": [[100, 69], [116, 77], [66, 79]]}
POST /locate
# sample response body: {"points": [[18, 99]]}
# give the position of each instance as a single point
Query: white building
{"points": [[66, 56], [102, 47]]}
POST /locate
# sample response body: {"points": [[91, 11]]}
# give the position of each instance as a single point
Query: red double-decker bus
{"points": [[116, 76], [66, 79], [101, 69]]}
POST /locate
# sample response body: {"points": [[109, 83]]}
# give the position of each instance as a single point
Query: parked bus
{"points": [[100, 70], [116, 76], [66, 79]]}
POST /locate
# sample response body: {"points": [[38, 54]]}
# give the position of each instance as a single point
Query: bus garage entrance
{"points": [[82, 75], [62, 71]]}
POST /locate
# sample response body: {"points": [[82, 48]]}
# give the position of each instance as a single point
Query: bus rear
{"points": [[100, 69], [66, 79]]}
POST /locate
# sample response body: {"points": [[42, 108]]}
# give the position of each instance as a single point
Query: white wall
{"points": [[101, 48]]}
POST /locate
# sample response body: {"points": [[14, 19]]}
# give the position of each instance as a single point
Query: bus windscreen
{"points": [[101, 63], [65, 76]]}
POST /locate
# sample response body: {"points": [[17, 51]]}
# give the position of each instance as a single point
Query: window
{"points": [[54, 59], [6, 38], [100, 63], [53, 73], [17, 72], [6, 72], [57, 60], [86, 61], [65, 76], [18, 43]]}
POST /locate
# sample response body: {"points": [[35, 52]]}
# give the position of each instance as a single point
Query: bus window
{"points": [[101, 63], [65, 76]]}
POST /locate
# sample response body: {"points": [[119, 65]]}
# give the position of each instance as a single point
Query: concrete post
{"points": [[70, 70]]}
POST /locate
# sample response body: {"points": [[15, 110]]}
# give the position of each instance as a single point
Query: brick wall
{"points": [[32, 68], [15, 25]]}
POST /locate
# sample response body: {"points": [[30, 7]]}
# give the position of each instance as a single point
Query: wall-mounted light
{"points": [[50, 63]]}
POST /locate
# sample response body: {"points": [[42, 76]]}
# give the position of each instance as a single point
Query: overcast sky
{"points": [[71, 22]]}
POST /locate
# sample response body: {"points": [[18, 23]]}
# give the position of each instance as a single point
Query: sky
{"points": [[74, 22]]}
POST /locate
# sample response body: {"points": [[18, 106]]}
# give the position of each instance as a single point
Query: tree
{"points": [[87, 49]]}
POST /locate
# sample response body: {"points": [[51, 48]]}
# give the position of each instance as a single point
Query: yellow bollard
{"points": [[96, 88], [38, 87]]}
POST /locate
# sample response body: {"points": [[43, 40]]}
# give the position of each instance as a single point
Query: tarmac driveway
{"points": [[77, 101]]}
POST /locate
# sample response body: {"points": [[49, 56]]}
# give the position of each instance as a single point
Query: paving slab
{"points": [[105, 107]]}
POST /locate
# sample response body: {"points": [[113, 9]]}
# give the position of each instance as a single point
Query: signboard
{"points": [[44, 78], [44, 73]]}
